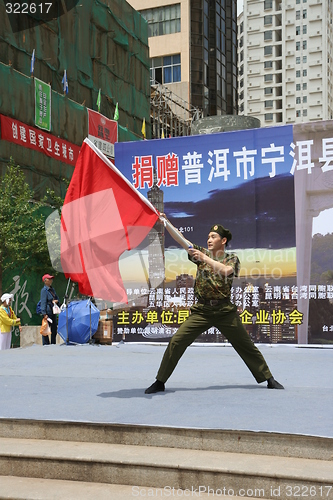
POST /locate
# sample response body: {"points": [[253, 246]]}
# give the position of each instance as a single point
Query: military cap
{"points": [[222, 231]]}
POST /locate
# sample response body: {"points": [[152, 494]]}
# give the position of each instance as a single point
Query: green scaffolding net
{"points": [[101, 46]]}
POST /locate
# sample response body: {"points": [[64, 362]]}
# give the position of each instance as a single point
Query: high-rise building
{"points": [[285, 52], [193, 50]]}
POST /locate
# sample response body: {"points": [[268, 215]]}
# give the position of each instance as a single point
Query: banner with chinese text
{"points": [[42, 105], [271, 188], [102, 132], [20, 133]]}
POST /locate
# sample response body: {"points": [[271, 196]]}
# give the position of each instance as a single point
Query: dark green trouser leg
{"points": [[186, 334], [228, 322], [231, 327]]}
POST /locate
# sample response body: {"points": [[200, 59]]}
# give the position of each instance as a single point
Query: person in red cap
{"points": [[48, 298]]}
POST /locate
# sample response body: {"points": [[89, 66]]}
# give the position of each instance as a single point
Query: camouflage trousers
{"points": [[226, 319]]}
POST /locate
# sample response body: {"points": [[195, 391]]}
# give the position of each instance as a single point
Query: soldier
{"points": [[215, 272]]}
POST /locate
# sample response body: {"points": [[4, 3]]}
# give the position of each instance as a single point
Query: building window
{"points": [[298, 73], [305, 44], [298, 113], [304, 14], [298, 15], [305, 59], [241, 56], [268, 35], [162, 20], [298, 30], [268, 4], [305, 112], [268, 20], [166, 69], [268, 90], [268, 117], [268, 104], [241, 28], [304, 29], [298, 45], [298, 86], [298, 100], [268, 51], [305, 99], [171, 69], [268, 78], [305, 72], [305, 86], [298, 60], [298, 1], [268, 64], [241, 96]]}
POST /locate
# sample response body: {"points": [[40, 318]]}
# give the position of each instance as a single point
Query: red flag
{"points": [[103, 215]]}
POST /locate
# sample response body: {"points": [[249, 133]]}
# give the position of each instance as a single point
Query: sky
{"points": [[240, 4], [323, 224]]}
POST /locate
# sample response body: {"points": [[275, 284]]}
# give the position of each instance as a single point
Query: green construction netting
{"points": [[101, 46]]}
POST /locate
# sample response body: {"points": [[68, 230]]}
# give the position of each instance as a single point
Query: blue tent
{"points": [[80, 315]]}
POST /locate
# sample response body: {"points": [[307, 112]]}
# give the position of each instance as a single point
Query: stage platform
{"points": [[211, 387]]}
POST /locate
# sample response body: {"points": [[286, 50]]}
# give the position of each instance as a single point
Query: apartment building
{"points": [[193, 50], [285, 52]]}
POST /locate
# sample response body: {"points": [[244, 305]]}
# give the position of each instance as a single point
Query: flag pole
{"points": [[90, 340], [174, 233], [66, 302]]}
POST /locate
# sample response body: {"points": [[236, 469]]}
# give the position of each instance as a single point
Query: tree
{"points": [[22, 233]]}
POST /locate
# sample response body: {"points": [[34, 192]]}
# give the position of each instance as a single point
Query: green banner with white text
{"points": [[42, 105]]}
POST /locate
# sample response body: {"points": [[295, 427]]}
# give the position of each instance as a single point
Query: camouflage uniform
{"points": [[210, 286], [214, 309]]}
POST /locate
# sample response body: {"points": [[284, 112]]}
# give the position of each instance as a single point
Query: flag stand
{"points": [[91, 340], [66, 301], [66, 304]]}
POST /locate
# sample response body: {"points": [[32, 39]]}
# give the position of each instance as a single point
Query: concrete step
{"points": [[22, 488], [241, 474], [260, 443]]}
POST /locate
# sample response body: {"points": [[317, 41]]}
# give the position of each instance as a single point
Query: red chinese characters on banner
{"points": [[32, 138], [143, 172], [167, 171]]}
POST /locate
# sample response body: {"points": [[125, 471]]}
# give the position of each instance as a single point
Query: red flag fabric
{"points": [[103, 215]]}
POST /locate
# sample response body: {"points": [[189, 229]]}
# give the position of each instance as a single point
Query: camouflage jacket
{"points": [[210, 285]]}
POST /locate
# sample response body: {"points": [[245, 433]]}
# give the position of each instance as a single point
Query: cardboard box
{"points": [[105, 314], [103, 334]]}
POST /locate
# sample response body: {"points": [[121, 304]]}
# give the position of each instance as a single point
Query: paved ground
{"points": [[210, 388]]}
